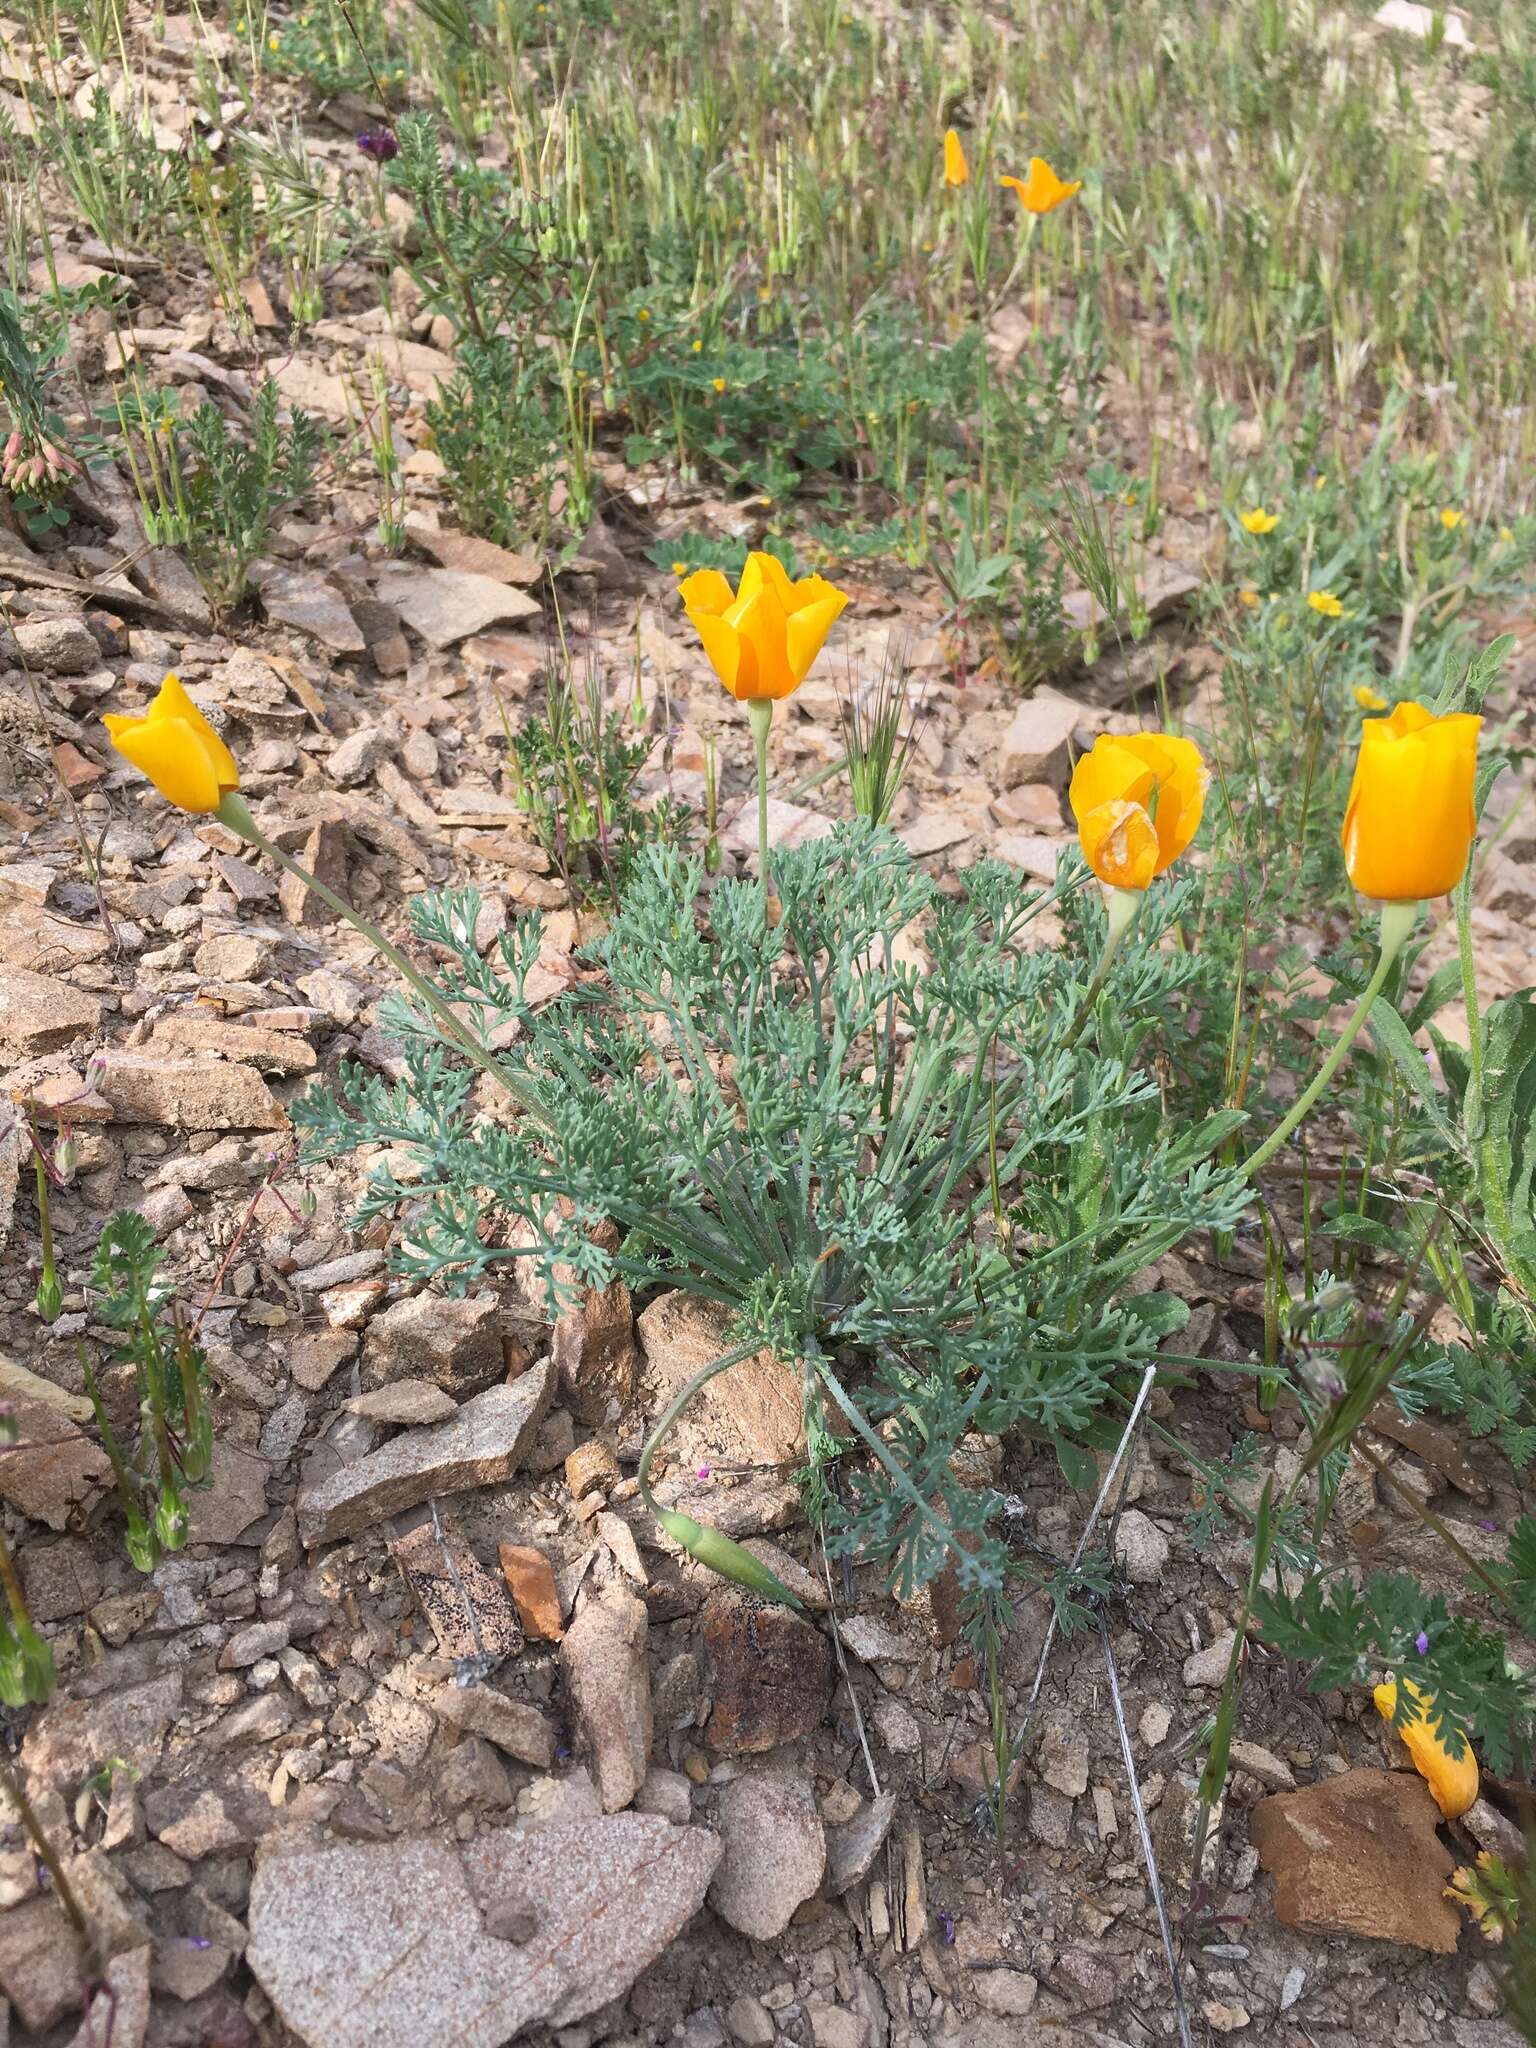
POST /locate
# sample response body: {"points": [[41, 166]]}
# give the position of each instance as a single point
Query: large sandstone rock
{"points": [[415, 1944], [1359, 1854], [775, 1852], [456, 1343], [750, 1414]]}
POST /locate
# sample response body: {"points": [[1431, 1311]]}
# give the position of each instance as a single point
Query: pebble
{"points": [[1208, 1667]]}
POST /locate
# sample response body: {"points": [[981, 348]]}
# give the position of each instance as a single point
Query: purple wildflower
{"points": [[947, 1929], [702, 1472], [1421, 1643], [381, 143], [1490, 1528]]}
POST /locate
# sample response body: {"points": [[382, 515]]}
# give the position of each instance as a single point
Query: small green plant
{"points": [[35, 465], [573, 770], [880, 729], [497, 428], [232, 489], [174, 1445]]}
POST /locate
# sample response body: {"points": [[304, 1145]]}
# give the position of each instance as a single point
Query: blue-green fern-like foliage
{"points": [[878, 1154]]}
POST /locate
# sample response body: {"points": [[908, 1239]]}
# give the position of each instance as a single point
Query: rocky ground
{"points": [[429, 1735]]}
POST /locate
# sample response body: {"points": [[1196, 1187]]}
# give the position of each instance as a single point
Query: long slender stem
{"points": [[234, 813], [16, 1792], [760, 712], [1463, 901], [1123, 905], [1397, 921], [684, 1395]]}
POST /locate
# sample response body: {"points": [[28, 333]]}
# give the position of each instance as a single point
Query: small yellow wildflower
{"points": [[1369, 699], [1258, 520], [1506, 534], [719, 383], [1325, 604], [274, 42], [764, 293], [1248, 596], [1450, 518], [679, 568], [698, 348], [644, 313]]}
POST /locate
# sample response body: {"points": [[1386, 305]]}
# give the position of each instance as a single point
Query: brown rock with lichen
{"points": [[770, 1673], [1359, 1854]]}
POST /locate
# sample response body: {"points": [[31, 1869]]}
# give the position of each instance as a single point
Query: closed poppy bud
{"points": [[1040, 190], [1452, 1780], [762, 638], [725, 1556], [1137, 798], [956, 170], [1409, 823], [176, 747]]}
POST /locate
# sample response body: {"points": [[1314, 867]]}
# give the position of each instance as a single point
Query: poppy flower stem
{"points": [[234, 813], [1397, 922], [760, 712], [1121, 906]]}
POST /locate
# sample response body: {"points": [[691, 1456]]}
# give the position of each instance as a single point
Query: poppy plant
{"points": [[1452, 1780], [1409, 822], [1137, 798], [1408, 831], [761, 639], [1040, 190], [956, 170], [175, 746]]}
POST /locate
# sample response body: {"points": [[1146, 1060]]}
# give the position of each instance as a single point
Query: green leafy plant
{"points": [[497, 429], [573, 769], [233, 489], [174, 1445], [816, 1145]]}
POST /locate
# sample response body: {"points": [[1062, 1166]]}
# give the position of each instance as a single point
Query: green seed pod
{"points": [[50, 1296], [171, 1518], [717, 1551], [141, 1542]]}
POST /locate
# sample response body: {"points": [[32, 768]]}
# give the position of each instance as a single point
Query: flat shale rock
{"points": [[415, 1944], [485, 1442], [1359, 1854], [447, 605], [190, 1094], [39, 1013], [770, 1673]]}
